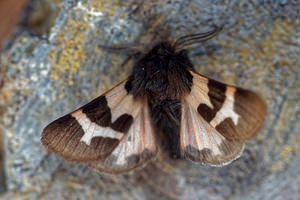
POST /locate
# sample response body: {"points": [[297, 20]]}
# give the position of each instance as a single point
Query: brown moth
{"points": [[202, 119]]}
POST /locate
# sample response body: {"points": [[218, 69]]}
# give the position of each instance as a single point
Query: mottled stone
{"points": [[47, 77]]}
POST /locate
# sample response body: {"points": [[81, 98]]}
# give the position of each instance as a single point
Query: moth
{"points": [[200, 119]]}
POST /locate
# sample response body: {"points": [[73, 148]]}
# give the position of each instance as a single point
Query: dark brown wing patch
{"points": [[231, 151], [99, 112], [216, 94], [63, 137], [251, 110], [123, 123]]}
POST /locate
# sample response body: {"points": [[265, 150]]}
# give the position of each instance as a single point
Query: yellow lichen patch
{"points": [[99, 51], [6, 94], [69, 52], [295, 144], [244, 52], [72, 184], [277, 166], [108, 6], [283, 62], [101, 5], [280, 30], [285, 153]]}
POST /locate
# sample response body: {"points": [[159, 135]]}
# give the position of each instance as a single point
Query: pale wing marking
{"points": [[227, 109], [85, 123], [199, 92]]}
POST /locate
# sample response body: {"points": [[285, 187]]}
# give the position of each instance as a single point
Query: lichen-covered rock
{"points": [[52, 75]]}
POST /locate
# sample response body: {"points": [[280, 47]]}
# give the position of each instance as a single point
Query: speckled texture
{"points": [[45, 78]]}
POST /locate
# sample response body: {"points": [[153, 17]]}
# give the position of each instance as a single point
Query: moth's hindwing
{"points": [[135, 149], [217, 119], [99, 131]]}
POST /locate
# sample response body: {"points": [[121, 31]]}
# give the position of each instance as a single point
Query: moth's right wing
{"points": [[217, 119], [113, 132]]}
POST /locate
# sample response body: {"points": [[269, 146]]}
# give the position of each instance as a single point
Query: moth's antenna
{"points": [[117, 49], [196, 38]]}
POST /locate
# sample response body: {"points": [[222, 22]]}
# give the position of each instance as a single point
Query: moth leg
{"points": [[133, 52], [135, 56]]}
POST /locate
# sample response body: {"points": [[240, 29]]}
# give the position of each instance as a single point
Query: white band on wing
{"points": [[92, 130], [227, 109]]}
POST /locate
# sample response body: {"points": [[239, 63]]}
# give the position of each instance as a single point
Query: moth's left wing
{"points": [[113, 132], [217, 119]]}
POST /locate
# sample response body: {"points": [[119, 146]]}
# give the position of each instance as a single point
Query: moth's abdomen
{"points": [[166, 116]]}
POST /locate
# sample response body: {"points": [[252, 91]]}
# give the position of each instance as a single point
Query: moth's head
{"points": [[164, 53], [166, 49], [171, 54], [162, 50]]}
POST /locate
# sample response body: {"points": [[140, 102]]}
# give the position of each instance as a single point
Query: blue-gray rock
{"points": [[47, 77]]}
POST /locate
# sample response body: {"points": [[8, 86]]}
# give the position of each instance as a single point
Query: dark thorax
{"points": [[161, 74]]}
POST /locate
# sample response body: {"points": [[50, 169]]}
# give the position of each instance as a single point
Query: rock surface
{"points": [[46, 77]]}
